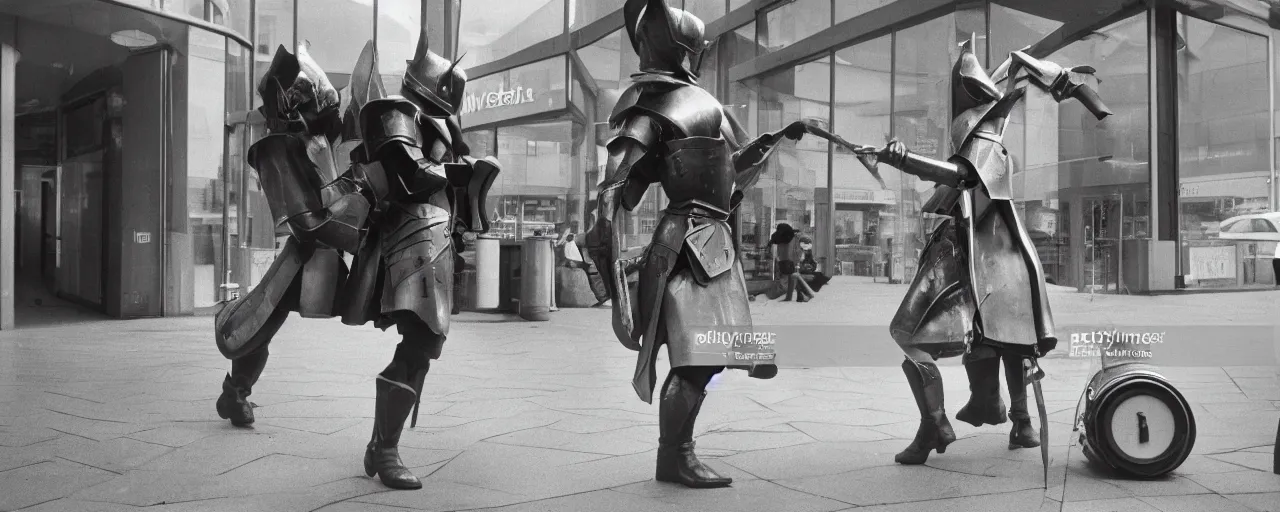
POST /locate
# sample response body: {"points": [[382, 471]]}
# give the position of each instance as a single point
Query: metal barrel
{"points": [[488, 273], [1135, 422], [535, 285]]}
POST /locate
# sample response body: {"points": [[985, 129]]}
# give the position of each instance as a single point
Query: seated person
{"points": [[809, 266], [787, 247]]}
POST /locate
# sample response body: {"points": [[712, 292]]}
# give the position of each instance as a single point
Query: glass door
{"points": [[1102, 251]]}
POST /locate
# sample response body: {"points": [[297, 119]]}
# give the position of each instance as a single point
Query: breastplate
{"points": [[698, 170], [987, 155]]}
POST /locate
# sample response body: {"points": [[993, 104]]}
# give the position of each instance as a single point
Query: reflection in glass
{"points": [[862, 80], [1082, 186], [1223, 148], [785, 192], [611, 61], [792, 22], [233, 14], [1013, 30], [534, 193], [925, 54], [737, 47], [337, 31], [275, 28], [846, 9], [493, 29], [207, 68]]}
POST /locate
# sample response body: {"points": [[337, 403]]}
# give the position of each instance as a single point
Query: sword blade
{"points": [[1044, 421]]}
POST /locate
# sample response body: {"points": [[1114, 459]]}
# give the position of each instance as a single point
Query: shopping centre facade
{"points": [[124, 144]]}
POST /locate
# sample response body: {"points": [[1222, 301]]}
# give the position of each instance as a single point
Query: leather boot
{"points": [[986, 406], [397, 397], [238, 385], [1023, 434], [935, 431], [677, 411]]}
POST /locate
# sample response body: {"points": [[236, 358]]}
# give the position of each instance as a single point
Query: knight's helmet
{"points": [[667, 40], [970, 85], [433, 82]]}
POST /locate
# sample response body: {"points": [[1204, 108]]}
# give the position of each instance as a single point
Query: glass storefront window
{"points": [[207, 68], [786, 190], [925, 55], [611, 61], [737, 47], [275, 28], [706, 10], [481, 143], [1013, 30], [583, 12], [493, 29], [233, 14], [337, 31], [792, 22], [846, 9], [1082, 186], [863, 77], [534, 193], [527, 90], [1224, 138]]}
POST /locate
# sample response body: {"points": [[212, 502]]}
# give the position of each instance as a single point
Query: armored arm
{"points": [[471, 180], [622, 190], [951, 174], [295, 162], [749, 158]]}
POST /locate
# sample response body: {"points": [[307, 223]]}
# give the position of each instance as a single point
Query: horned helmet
{"points": [[970, 85], [433, 82], [667, 40]]}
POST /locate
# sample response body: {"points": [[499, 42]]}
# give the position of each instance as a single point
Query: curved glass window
{"points": [[336, 31], [493, 29]]}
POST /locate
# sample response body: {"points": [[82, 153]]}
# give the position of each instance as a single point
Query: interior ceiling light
{"points": [[133, 39]]}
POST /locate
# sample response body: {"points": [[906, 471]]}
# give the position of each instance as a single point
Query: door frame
{"points": [[1090, 238]]}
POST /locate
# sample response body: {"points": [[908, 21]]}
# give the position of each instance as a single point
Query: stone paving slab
{"points": [[522, 416]]}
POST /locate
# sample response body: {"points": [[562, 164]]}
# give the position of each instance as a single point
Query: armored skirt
{"points": [[978, 282], [691, 281], [403, 274]]}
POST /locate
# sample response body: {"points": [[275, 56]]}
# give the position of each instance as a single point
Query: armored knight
{"points": [[672, 132], [980, 290], [408, 193]]}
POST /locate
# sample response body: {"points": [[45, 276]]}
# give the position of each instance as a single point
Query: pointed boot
{"points": [[396, 399], [233, 404], [935, 431], [985, 407], [1023, 434], [677, 462]]}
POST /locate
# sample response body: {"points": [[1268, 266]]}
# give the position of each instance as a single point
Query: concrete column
{"points": [[488, 271], [8, 64]]}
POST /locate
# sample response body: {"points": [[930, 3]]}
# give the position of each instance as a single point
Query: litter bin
{"points": [[488, 273], [536, 279], [509, 262]]}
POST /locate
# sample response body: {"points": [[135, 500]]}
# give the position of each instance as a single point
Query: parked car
{"points": [[1258, 226]]}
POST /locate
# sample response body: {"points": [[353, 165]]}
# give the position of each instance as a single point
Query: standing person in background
{"points": [[1275, 265]]}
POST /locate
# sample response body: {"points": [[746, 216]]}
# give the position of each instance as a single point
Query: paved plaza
{"points": [[106, 415]]}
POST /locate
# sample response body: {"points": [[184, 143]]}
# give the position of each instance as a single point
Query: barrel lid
{"points": [[1143, 427]]}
